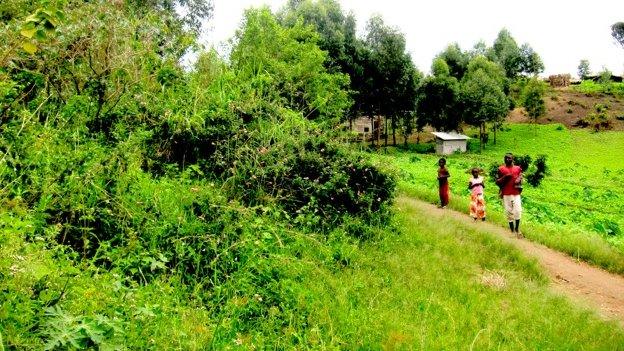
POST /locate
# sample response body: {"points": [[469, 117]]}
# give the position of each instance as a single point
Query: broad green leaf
{"points": [[40, 35], [28, 33], [32, 18], [60, 15], [29, 47]]}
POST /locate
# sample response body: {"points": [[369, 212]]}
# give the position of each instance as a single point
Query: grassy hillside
{"points": [[571, 104], [578, 208], [147, 205], [423, 283]]}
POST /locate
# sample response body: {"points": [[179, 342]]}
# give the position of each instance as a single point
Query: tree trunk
{"points": [[372, 134], [394, 131], [385, 131], [378, 132], [481, 137], [495, 128]]}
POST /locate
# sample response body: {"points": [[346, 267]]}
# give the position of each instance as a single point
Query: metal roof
{"points": [[450, 136]]}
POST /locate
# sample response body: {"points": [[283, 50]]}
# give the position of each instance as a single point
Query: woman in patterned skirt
{"points": [[477, 201]]}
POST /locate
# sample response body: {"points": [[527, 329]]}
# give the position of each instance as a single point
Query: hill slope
{"points": [[567, 106]]}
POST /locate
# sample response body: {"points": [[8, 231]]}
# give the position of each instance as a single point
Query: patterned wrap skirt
{"points": [[477, 206]]}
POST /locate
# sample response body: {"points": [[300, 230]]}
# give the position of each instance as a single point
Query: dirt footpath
{"points": [[583, 283]]}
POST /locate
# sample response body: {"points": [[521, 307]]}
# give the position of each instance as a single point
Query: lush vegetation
{"points": [[148, 206], [418, 284], [130, 186], [578, 206], [593, 88]]}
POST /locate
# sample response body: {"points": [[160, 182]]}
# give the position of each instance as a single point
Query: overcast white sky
{"points": [[562, 32]]}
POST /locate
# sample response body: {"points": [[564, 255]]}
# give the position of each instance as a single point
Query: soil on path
{"points": [[585, 284]]}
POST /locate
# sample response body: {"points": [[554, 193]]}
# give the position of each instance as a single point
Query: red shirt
{"points": [[508, 187]]}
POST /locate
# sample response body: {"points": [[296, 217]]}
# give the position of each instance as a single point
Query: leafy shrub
{"points": [[607, 227], [493, 171], [524, 161], [535, 178], [424, 148], [62, 330], [316, 180], [590, 88]]}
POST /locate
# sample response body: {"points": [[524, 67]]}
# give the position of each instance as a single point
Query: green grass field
{"points": [[591, 87], [423, 283], [578, 208]]}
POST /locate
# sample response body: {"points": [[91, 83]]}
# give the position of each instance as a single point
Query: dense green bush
{"points": [[592, 88], [125, 170]]}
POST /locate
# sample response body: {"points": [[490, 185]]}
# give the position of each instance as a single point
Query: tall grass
{"points": [[440, 284], [423, 283]]}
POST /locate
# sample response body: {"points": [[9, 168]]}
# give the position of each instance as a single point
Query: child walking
{"points": [[477, 201], [443, 175]]}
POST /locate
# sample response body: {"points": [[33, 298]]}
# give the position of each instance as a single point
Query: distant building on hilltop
{"points": [[448, 143]]}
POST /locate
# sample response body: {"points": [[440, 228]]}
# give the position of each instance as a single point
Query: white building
{"points": [[448, 143]]}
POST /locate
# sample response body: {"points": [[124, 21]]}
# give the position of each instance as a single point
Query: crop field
{"points": [[581, 199]]}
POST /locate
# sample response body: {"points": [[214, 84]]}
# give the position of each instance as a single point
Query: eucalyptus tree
{"points": [[482, 95], [346, 52], [533, 98], [395, 76], [531, 63], [285, 65], [507, 53], [438, 97], [617, 32], [583, 69], [514, 59], [456, 59]]}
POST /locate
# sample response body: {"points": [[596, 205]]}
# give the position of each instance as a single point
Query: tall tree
{"points": [[617, 32], [531, 63], [346, 53], [507, 53], [437, 101], [533, 98], [394, 73], [336, 30], [285, 64], [482, 97], [583, 69], [456, 59]]}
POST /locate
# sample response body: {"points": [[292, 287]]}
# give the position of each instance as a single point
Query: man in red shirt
{"points": [[510, 183]]}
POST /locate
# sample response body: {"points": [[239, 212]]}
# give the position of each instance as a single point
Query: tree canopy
{"points": [[285, 64], [533, 98], [617, 32], [482, 94], [437, 103], [456, 59], [583, 69]]}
